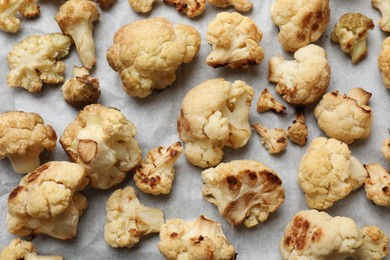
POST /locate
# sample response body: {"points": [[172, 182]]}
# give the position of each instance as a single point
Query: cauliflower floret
{"points": [[235, 41], [384, 7], [23, 136], [105, 4], [8, 9], [47, 201], [191, 8], [386, 149], [300, 21], [377, 185], [75, 18], [147, 53], [274, 140], [375, 244], [240, 5], [201, 238], [351, 32], [303, 80], [128, 220], [20, 249], [328, 173], [214, 114], [243, 190], [142, 6], [267, 101], [36, 59], [155, 175], [102, 139], [384, 62], [345, 117], [297, 133]]}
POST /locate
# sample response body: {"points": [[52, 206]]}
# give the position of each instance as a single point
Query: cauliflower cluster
{"points": [[147, 53], [384, 7], [8, 10], [267, 101], [384, 62], [240, 5], [377, 185], [214, 114], [274, 140], [143, 6], [297, 132], [386, 149], [20, 249], [191, 8]]}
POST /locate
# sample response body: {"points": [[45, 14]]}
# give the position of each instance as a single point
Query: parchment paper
{"points": [[155, 119]]}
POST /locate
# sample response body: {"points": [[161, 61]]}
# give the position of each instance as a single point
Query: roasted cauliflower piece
{"points": [[384, 7], [23, 136], [20, 249], [147, 53], [351, 33], [345, 117], [214, 114], [155, 174], [191, 8], [297, 132], [201, 238], [274, 140], [240, 5], [243, 190], [36, 59], [384, 62], [300, 21], [75, 18], [128, 220], [267, 102], [105, 4], [144, 6], [235, 41], [303, 80], [48, 201], [377, 185], [386, 149], [328, 173], [375, 244], [8, 10]]}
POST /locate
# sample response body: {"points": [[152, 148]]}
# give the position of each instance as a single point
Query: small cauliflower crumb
{"points": [[20, 249], [8, 10], [191, 8], [142, 6], [384, 7], [267, 102], [274, 140], [297, 132], [377, 185]]}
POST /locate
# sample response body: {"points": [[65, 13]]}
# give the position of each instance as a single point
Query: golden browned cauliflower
{"points": [[345, 117], [351, 32], [384, 62], [102, 139], [303, 80], [191, 8], [297, 132], [20, 249], [235, 40], [328, 173], [36, 59], [201, 238], [267, 101], [300, 21], [214, 114], [377, 185], [274, 140], [105, 4], [128, 220], [386, 149], [375, 244], [243, 190], [240, 5], [8, 10], [384, 7], [142, 6], [147, 53], [48, 201], [23, 136]]}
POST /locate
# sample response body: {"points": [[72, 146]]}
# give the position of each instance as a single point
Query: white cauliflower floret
{"points": [[214, 114], [328, 173], [267, 101], [142, 6], [303, 80], [147, 53], [128, 220], [243, 190], [375, 244], [47, 201], [20, 249], [384, 62], [386, 149], [377, 185], [102, 139], [240, 5], [384, 7], [191, 8], [235, 41], [274, 140], [8, 10], [155, 174], [297, 132], [201, 238], [36, 59]]}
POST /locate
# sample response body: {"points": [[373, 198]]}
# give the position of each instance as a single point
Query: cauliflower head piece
{"points": [[297, 132], [377, 184], [235, 41], [328, 173], [201, 238], [274, 140], [240, 5], [23, 136], [386, 149], [191, 8], [384, 62], [214, 114], [144, 6], [128, 220], [36, 59], [384, 7], [375, 244], [48, 201], [9, 9], [303, 80], [20, 249], [267, 102], [102, 139], [147, 53], [243, 190], [300, 22]]}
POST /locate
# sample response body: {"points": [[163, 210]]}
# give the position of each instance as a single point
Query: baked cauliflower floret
{"points": [[274, 140], [235, 41], [201, 238], [384, 7], [377, 184], [147, 53], [20, 249], [8, 10], [191, 8], [384, 62], [23, 136], [155, 175], [36, 59], [267, 101], [386, 149], [105, 4], [240, 5], [297, 132], [75, 18], [142, 6], [300, 21], [345, 117], [328, 173], [303, 80], [102, 139], [375, 244], [214, 114], [243, 190], [128, 220], [351, 32], [47, 201]]}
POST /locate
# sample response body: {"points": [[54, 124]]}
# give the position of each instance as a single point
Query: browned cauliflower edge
{"points": [[377, 185], [191, 8], [9, 9], [274, 140], [20, 249], [267, 102]]}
